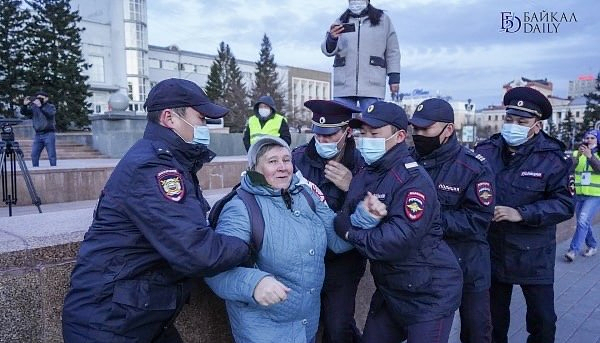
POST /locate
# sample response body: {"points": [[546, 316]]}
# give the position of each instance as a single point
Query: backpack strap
{"points": [[309, 199], [257, 222]]}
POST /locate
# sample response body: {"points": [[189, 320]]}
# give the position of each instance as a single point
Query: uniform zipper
{"points": [[357, 56]]}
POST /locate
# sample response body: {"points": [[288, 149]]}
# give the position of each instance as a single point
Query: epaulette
{"points": [[162, 152], [476, 156], [300, 148]]}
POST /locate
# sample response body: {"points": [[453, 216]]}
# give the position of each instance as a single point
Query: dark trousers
{"points": [[40, 141], [540, 317], [342, 276], [381, 328], [77, 333], [475, 317]]}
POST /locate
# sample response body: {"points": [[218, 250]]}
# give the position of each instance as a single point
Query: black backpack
{"points": [[257, 221]]}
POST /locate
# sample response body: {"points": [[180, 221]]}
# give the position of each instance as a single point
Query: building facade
{"points": [[115, 43], [584, 84]]}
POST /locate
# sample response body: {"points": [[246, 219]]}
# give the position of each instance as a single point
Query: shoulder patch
{"points": [[170, 183], [414, 205], [411, 165], [484, 193]]}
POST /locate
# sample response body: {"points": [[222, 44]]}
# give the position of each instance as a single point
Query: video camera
{"points": [[6, 129]]}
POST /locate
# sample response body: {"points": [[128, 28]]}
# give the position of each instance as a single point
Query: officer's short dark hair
{"points": [[154, 116]]}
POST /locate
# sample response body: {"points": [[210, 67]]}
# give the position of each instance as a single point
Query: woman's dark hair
{"points": [[373, 13]]}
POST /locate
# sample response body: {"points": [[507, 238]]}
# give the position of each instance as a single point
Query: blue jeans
{"points": [[41, 140], [363, 102], [585, 210]]}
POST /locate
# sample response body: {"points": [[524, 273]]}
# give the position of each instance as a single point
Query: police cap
{"points": [[431, 111], [527, 102], [172, 93], [329, 115], [381, 114]]}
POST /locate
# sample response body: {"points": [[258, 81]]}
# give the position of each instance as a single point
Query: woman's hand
{"points": [[585, 151], [335, 30], [376, 208], [269, 291]]}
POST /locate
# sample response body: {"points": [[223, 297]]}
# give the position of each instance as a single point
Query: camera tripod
{"points": [[10, 154]]}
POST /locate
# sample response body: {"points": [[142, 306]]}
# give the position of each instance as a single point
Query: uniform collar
{"points": [[192, 156], [443, 153]]}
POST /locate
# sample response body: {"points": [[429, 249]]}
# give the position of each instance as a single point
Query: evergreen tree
{"points": [[217, 79], [55, 61], [266, 78], [568, 129], [235, 97], [13, 39], [592, 110]]}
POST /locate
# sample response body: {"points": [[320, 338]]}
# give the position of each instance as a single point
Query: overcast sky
{"points": [[451, 47]]}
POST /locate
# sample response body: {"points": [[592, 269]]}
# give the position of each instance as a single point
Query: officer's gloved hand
{"points": [[269, 291]]}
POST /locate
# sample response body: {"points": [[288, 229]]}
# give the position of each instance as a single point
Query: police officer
{"points": [[533, 194], [418, 279], [464, 184], [329, 161], [149, 234], [266, 121]]}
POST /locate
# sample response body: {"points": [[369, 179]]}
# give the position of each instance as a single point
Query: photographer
{"points": [[42, 113], [587, 175]]}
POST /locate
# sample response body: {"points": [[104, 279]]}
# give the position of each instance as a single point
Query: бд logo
{"points": [[534, 22], [510, 22]]}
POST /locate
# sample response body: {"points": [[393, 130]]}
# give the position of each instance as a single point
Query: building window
{"points": [[98, 108], [577, 114], [154, 63], [169, 65], [496, 119], [97, 69], [490, 118]]}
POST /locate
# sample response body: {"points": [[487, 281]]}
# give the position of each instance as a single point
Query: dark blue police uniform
{"points": [[532, 178], [148, 238], [342, 271], [465, 189], [418, 279]]}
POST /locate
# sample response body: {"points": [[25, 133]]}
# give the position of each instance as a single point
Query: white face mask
{"points": [[264, 112], [357, 6]]}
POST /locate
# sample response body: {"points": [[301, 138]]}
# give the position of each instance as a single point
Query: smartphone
{"points": [[349, 27]]}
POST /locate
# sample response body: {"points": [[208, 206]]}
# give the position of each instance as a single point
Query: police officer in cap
{"points": [[149, 236], [534, 192], [465, 186], [329, 161], [418, 279]]}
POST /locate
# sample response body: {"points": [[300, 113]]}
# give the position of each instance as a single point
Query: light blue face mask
{"points": [[515, 134], [372, 149], [201, 133], [328, 150]]}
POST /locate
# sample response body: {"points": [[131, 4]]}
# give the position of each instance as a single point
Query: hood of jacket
{"points": [[267, 100]]}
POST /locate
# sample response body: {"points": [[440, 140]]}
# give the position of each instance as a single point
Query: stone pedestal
{"points": [[115, 131]]}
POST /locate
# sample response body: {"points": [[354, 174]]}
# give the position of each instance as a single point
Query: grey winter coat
{"points": [[363, 58]]}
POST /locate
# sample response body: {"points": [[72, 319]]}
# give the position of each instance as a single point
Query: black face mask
{"points": [[426, 145]]}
